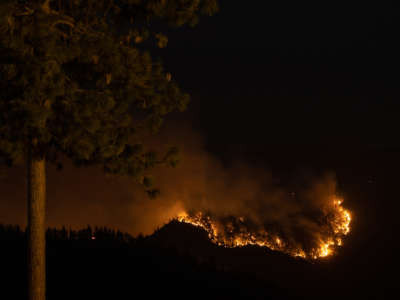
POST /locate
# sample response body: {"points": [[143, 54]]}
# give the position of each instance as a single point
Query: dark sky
{"points": [[290, 72], [284, 25]]}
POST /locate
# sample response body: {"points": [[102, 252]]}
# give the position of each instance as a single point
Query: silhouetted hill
{"points": [[178, 261], [255, 262], [184, 237], [331, 278], [80, 267], [193, 240]]}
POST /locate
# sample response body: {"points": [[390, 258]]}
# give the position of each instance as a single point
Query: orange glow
{"points": [[338, 224]]}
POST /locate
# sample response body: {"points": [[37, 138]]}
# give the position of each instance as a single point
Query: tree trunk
{"points": [[36, 228]]}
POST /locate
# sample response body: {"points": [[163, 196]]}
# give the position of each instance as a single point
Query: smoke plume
{"points": [[238, 196]]}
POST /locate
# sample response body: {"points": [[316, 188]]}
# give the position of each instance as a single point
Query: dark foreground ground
{"points": [[119, 268]]}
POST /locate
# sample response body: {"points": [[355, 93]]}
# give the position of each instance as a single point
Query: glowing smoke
{"points": [[301, 218]]}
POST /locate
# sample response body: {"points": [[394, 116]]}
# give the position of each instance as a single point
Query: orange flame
{"points": [[223, 234]]}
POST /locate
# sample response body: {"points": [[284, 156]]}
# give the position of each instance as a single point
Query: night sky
{"points": [[293, 87], [292, 73]]}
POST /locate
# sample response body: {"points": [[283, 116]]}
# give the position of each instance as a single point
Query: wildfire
{"points": [[238, 232]]}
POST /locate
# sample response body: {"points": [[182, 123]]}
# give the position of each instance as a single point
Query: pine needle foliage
{"points": [[77, 80]]}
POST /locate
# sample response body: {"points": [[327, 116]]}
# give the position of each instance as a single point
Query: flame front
{"points": [[234, 232]]}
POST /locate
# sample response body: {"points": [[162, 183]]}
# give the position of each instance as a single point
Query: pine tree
{"points": [[76, 81]]}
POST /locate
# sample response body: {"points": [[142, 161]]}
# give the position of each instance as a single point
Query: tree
{"points": [[77, 82]]}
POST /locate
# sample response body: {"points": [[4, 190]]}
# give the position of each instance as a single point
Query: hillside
{"points": [[177, 261], [85, 268]]}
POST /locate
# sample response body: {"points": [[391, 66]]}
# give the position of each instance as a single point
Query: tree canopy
{"points": [[77, 79]]}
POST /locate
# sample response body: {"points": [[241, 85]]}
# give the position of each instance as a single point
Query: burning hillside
{"points": [[331, 224]]}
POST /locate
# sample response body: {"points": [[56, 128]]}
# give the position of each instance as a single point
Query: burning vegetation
{"points": [[331, 223]]}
